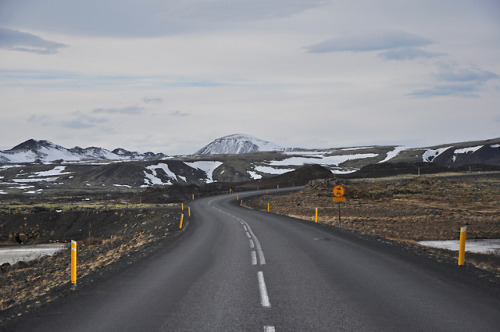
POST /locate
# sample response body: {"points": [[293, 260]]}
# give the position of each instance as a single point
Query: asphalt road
{"points": [[242, 270]]}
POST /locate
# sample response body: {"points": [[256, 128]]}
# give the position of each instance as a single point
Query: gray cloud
{"points": [[42, 120], [407, 53], [83, 121], [464, 90], [457, 81], [179, 113], [125, 110], [369, 42], [144, 18], [451, 72], [153, 100], [26, 42]]}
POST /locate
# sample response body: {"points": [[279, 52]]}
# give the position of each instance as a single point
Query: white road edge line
{"points": [[254, 258], [248, 235], [252, 245], [269, 329], [264, 298]]}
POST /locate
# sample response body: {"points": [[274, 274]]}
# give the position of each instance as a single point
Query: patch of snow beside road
{"points": [[14, 254], [472, 245]]}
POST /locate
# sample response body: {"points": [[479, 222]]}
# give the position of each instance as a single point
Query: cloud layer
{"points": [[170, 76], [369, 42], [454, 80], [26, 42]]}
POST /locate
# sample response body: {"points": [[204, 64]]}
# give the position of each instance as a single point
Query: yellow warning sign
{"points": [[338, 191]]}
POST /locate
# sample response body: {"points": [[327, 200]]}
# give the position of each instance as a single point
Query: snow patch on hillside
{"points": [[321, 160], [431, 154], [254, 175], [394, 153], [56, 171], [206, 166], [272, 170], [468, 150], [151, 175]]}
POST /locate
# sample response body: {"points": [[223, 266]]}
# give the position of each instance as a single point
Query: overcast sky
{"points": [[171, 76]]}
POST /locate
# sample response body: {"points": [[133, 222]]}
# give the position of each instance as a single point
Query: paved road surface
{"points": [[242, 270]]}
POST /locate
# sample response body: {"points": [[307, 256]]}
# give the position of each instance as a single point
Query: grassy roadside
{"points": [[130, 235], [405, 210]]}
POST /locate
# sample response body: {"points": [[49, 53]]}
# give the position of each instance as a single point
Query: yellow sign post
{"points": [[338, 192], [73, 262]]}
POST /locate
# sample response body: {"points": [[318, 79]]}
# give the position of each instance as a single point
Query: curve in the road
{"points": [[236, 269]]}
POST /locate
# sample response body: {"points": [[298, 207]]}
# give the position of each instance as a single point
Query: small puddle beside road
{"points": [[482, 246], [14, 254]]}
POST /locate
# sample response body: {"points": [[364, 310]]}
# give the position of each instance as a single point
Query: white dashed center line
{"points": [[254, 243], [264, 298], [254, 258]]}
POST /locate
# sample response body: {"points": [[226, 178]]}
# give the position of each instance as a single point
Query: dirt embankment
{"points": [[107, 241], [426, 208]]}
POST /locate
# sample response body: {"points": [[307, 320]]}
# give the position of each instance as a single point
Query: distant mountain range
{"points": [[35, 166], [448, 155], [33, 151]]}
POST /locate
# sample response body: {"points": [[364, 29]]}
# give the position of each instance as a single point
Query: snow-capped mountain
{"points": [[238, 144], [43, 151]]}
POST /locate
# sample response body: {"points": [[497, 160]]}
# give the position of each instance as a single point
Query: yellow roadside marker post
{"points": [[268, 208], [193, 197], [241, 203], [182, 218], [461, 251], [189, 211], [182, 206], [73, 262], [316, 216], [237, 197]]}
